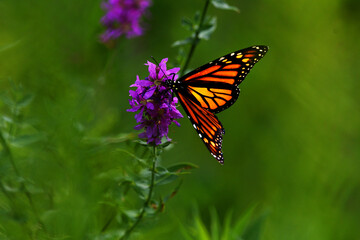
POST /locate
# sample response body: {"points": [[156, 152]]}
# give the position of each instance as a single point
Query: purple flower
{"points": [[154, 103], [123, 18]]}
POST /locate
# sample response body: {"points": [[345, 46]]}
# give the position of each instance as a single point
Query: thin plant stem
{"points": [[22, 185], [196, 39], [107, 224], [146, 203]]}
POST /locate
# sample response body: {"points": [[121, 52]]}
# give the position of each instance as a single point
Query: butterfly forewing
{"points": [[214, 85]]}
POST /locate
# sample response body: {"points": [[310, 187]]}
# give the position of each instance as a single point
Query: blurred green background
{"points": [[292, 142]]}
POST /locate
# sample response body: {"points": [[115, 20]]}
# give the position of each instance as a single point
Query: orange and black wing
{"points": [[206, 124], [214, 86]]}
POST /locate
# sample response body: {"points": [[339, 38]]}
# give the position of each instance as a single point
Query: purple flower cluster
{"points": [[123, 17], [155, 103]]}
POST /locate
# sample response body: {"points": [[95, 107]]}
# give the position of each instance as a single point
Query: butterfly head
{"points": [[171, 83]]}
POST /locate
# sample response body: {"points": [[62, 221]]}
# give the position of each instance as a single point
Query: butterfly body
{"points": [[213, 88]]}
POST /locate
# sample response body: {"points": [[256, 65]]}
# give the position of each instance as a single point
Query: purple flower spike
{"points": [[154, 103], [123, 18]]}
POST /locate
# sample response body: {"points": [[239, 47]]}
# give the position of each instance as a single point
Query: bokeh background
{"points": [[292, 142]]}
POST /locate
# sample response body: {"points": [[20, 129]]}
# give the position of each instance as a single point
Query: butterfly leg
{"points": [[172, 76]]}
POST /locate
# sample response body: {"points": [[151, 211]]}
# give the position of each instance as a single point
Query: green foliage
{"points": [[221, 4], [200, 27], [120, 187], [202, 32], [242, 228]]}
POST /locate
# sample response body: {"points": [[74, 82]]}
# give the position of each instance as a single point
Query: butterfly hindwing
{"points": [[206, 124], [214, 86]]}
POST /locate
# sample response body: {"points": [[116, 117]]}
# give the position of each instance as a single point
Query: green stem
{"points": [[196, 39], [146, 203], [22, 185], [107, 224]]}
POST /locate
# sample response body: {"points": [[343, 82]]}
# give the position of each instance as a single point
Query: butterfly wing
{"points": [[213, 86], [206, 124]]}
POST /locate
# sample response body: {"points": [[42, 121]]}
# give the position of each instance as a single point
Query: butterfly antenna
{"points": [[173, 74]]}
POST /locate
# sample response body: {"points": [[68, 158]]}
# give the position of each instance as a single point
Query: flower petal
{"points": [[138, 127], [155, 103], [144, 83], [152, 70], [149, 92], [133, 109], [150, 105], [139, 116], [176, 123], [173, 70], [133, 94]]}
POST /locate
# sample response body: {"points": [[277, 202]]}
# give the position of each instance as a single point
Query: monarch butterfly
{"points": [[213, 88]]}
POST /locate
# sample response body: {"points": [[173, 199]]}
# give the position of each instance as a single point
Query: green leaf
{"points": [[161, 171], [221, 4], [112, 174], [12, 189], [243, 222], [167, 179], [25, 101], [173, 193], [160, 206], [187, 24], [24, 140], [185, 233], [110, 235], [165, 144], [123, 137], [215, 226], [119, 190], [32, 189], [152, 209], [227, 226], [197, 18], [253, 232], [8, 119], [207, 29], [140, 160], [165, 176], [131, 214], [8, 101], [183, 42], [179, 167], [201, 230], [142, 188], [142, 143]]}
